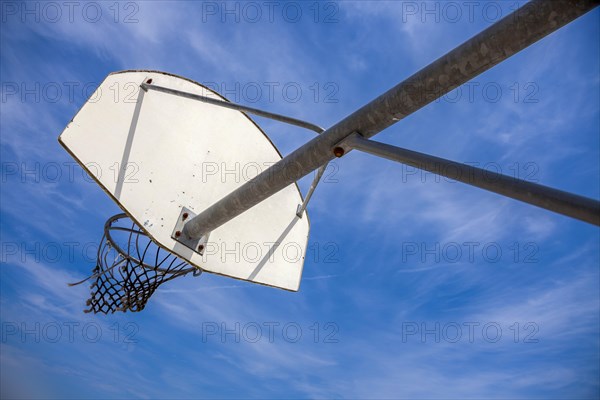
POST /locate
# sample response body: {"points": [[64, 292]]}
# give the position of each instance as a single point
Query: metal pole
{"points": [[235, 106], [564, 203], [508, 36], [311, 190]]}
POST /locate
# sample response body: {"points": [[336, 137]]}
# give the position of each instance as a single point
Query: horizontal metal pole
{"points": [[508, 36], [571, 205], [235, 106]]}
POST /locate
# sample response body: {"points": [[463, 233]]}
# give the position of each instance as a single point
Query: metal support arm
{"points": [[235, 106], [564, 203], [513, 33], [311, 190]]}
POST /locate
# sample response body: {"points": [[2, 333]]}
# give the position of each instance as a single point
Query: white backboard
{"points": [[155, 153]]}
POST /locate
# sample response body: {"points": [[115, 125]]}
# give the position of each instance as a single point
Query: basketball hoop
{"points": [[130, 267], [174, 207]]}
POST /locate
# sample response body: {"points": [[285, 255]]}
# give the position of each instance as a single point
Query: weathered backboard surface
{"points": [[155, 153]]}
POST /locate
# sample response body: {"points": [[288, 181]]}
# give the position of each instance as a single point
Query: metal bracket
{"points": [[198, 245], [345, 144]]}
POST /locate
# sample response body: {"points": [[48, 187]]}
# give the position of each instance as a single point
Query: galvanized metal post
{"points": [[572, 205], [508, 36]]}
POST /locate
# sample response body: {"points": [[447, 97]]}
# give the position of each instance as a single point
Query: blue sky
{"points": [[392, 304]]}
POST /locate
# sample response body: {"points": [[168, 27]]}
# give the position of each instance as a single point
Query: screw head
{"points": [[185, 215], [177, 233], [338, 152], [149, 81], [201, 247]]}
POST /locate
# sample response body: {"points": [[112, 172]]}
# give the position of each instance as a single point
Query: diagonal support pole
{"points": [[571, 205], [311, 190], [234, 106], [500, 41]]}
